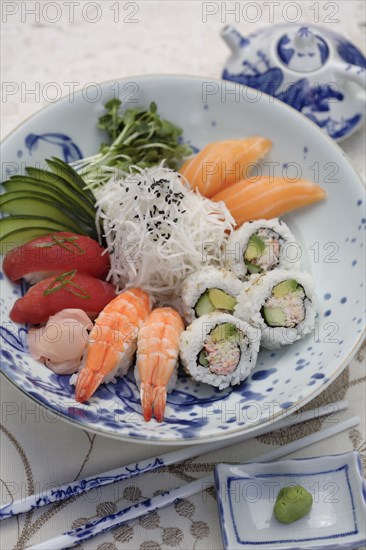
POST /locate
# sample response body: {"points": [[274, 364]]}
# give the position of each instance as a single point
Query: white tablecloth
{"points": [[38, 449]]}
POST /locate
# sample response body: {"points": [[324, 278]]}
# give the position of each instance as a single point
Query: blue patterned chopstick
{"points": [[92, 529], [150, 464]]}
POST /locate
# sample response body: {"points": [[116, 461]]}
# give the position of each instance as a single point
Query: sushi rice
{"points": [[198, 283], [281, 249], [300, 310], [244, 350]]}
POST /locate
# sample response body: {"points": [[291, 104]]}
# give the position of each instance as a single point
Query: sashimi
{"points": [[223, 163], [60, 343], [69, 290], [54, 254], [268, 197]]}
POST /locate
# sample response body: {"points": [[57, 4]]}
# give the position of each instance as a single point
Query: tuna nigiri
{"points": [[69, 290], [223, 163], [268, 197], [54, 254]]}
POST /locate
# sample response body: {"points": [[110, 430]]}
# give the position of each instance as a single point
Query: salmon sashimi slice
{"points": [[223, 163], [268, 197]]}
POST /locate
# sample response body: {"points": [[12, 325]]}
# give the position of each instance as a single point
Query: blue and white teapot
{"points": [[316, 71]]}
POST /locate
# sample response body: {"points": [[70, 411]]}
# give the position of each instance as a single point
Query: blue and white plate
{"points": [[331, 234], [337, 519]]}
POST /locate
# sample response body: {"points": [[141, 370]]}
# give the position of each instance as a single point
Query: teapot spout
{"points": [[233, 38]]}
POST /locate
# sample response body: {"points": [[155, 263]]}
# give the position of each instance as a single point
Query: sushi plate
{"points": [[331, 234]]}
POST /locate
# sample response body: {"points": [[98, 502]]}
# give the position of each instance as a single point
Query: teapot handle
{"points": [[355, 73]]}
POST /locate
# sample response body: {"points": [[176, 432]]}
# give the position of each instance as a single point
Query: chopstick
{"points": [[90, 530], [80, 486]]}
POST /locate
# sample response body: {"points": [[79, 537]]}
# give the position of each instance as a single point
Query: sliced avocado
{"points": [[274, 316], [253, 268], [221, 300], [204, 305], [226, 331], [202, 358], [255, 248], [284, 288]]}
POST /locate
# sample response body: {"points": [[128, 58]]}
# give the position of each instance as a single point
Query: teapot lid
{"points": [[302, 50]]}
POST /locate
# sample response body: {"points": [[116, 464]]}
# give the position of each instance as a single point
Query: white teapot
{"points": [[315, 70]]}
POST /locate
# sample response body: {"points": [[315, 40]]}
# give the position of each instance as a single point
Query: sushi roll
{"points": [[209, 290], [219, 349], [260, 246], [282, 304]]}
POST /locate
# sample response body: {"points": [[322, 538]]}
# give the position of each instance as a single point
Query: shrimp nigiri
{"points": [[157, 357], [112, 341]]}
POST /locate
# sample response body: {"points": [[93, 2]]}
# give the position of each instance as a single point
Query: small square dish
{"points": [[247, 493]]}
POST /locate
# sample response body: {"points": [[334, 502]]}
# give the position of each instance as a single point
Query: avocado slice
{"points": [[221, 300], [202, 358], [204, 305], [284, 288], [226, 331], [255, 248], [253, 268], [274, 316]]}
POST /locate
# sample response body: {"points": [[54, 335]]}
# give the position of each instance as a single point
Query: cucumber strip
{"points": [[46, 194], [31, 187], [14, 223], [71, 176], [53, 179], [23, 205]]}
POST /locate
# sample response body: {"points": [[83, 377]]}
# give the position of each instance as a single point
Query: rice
{"points": [[192, 342], [199, 282], [282, 250], [258, 290]]}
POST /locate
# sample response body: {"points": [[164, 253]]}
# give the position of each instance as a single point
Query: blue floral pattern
{"points": [[307, 95], [63, 144]]}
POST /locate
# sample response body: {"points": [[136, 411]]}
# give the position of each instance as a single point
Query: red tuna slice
{"points": [[69, 290], [54, 254]]}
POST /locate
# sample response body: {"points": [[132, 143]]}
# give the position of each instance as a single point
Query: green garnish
{"points": [[292, 503], [57, 196], [138, 137], [65, 282], [74, 247]]}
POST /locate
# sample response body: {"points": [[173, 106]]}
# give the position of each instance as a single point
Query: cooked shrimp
{"points": [[157, 356], [112, 341]]}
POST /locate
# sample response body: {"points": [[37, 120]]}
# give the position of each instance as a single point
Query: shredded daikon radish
{"points": [[158, 231]]}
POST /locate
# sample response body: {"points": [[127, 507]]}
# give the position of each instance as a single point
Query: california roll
{"points": [[219, 349], [209, 290], [282, 304], [261, 246]]}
